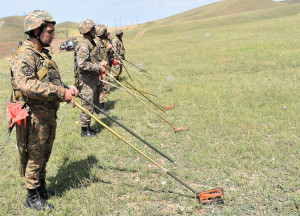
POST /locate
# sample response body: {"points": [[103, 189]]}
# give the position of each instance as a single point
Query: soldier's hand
{"points": [[114, 61], [109, 46], [74, 91], [102, 68], [68, 97]]}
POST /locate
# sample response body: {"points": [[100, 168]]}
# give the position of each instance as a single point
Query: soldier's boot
{"points": [[103, 109], [42, 190], [93, 131], [85, 132], [44, 193], [35, 201]]}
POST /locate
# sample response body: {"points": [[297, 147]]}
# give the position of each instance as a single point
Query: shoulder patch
{"points": [[27, 71]]}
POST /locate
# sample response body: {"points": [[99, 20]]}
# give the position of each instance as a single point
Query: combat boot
{"points": [[42, 190], [85, 132], [103, 109], [92, 130], [35, 201], [44, 193]]}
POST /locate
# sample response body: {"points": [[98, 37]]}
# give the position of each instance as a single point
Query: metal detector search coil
{"points": [[179, 129], [215, 195]]}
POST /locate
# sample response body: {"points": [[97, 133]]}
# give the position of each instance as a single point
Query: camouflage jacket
{"points": [[40, 95], [85, 61], [102, 53], [118, 47]]}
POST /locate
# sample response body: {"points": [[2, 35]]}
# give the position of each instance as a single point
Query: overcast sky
{"points": [[108, 12]]}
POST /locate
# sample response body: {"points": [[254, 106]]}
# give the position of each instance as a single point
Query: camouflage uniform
{"points": [[42, 100], [102, 53], [119, 49], [88, 77]]}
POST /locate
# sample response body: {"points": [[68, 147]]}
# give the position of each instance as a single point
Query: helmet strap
{"points": [[38, 37], [103, 36]]}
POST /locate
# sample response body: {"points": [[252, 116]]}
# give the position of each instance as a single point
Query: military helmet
{"points": [[119, 31], [86, 26], [100, 29], [36, 19]]}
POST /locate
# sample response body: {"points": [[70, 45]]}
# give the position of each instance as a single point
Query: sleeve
{"points": [[26, 80], [115, 47], [83, 59]]}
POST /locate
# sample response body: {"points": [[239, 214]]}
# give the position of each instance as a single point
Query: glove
{"points": [[114, 61]]}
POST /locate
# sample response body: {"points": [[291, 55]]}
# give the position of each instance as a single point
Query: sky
{"points": [[112, 13]]}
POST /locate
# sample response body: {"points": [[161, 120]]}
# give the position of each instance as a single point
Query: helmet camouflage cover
{"points": [[86, 26], [36, 19], [100, 29], [119, 31]]}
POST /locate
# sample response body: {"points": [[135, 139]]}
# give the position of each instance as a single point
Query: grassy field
{"points": [[230, 86]]}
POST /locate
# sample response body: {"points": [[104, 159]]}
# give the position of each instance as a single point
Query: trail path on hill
{"points": [[140, 34]]}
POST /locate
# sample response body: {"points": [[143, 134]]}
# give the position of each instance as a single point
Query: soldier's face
{"points": [[93, 33], [48, 34]]}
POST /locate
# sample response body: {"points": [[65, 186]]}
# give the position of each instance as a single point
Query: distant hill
{"points": [[67, 30], [226, 12], [12, 29], [229, 7]]}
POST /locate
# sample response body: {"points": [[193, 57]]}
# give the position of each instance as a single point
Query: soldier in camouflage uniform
{"points": [[119, 49], [88, 71], [37, 86], [103, 52]]}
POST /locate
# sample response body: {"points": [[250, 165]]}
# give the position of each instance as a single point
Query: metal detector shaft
{"points": [[136, 89], [109, 83], [135, 66], [124, 127], [137, 71], [141, 91], [8, 135], [176, 129], [136, 149], [164, 119], [122, 64], [135, 77]]}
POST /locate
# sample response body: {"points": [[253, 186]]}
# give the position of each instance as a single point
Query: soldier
{"points": [[88, 72], [37, 86], [103, 52], [119, 49]]}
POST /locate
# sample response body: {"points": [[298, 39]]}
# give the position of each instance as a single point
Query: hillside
{"points": [[227, 12], [11, 29], [227, 7], [11, 32]]}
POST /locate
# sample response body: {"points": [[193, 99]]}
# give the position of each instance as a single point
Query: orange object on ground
{"points": [[179, 129], [215, 195], [169, 107]]}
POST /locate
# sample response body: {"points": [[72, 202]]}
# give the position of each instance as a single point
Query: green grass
{"points": [[229, 88]]}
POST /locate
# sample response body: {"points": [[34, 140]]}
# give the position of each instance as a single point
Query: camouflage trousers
{"points": [[118, 68], [40, 137], [103, 88], [89, 91]]}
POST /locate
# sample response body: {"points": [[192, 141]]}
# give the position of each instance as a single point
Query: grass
{"points": [[230, 85]]}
